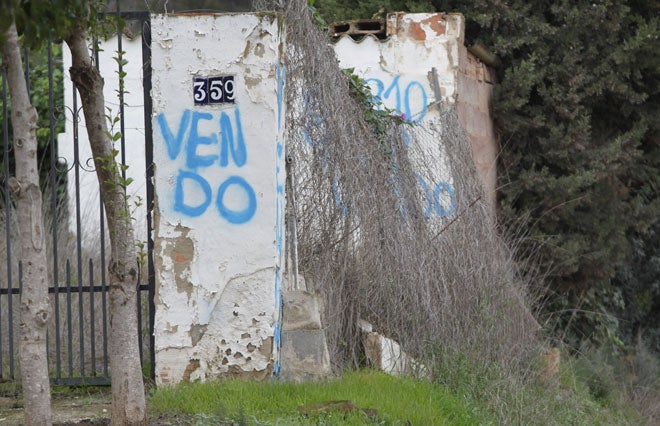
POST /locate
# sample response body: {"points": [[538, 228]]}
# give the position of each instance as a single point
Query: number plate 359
{"points": [[214, 90]]}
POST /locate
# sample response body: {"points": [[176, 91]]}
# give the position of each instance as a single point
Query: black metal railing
{"points": [[78, 334]]}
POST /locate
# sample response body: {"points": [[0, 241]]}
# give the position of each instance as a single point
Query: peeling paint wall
{"points": [[398, 70], [219, 180]]}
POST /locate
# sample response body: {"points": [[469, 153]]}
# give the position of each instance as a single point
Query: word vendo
{"points": [[235, 199]]}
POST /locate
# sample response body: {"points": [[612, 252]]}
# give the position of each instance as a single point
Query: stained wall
{"points": [[422, 63], [219, 167], [219, 178]]}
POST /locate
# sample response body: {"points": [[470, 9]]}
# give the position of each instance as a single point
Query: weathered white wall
{"points": [[218, 224], [218, 274], [398, 70], [133, 133]]}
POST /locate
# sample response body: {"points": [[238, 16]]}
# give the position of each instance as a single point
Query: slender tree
{"points": [[35, 312], [128, 399]]}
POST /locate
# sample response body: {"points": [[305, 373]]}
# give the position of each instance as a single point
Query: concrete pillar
{"points": [[218, 121]]}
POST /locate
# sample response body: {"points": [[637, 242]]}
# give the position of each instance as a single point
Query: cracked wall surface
{"points": [[219, 179]]}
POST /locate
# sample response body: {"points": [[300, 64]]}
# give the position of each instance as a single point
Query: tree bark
{"points": [[35, 312], [128, 399]]}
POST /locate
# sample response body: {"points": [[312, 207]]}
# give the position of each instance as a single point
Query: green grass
{"points": [[465, 393], [397, 401]]}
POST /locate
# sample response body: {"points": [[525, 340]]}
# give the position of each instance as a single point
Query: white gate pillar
{"points": [[218, 121]]}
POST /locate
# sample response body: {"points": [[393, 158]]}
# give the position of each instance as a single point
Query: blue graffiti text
{"points": [[235, 199]]}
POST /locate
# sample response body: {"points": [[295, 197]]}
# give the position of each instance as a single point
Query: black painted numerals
{"points": [[214, 90]]}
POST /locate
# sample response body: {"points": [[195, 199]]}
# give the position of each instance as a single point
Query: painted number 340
{"points": [[213, 90]]}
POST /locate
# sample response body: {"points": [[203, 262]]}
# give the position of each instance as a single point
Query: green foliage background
{"points": [[39, 95], [578, 117]]}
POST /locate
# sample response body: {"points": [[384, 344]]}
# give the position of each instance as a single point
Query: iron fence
{"points": [[78, 335]]}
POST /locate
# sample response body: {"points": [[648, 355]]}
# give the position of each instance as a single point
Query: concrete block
{"points": [[300, 311], [304, 356], [386, 355]]}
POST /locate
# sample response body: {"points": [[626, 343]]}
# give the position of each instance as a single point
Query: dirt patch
{"points": [[93, 408], [85, 422], [88, 407], [165, 419], [82, 410]]}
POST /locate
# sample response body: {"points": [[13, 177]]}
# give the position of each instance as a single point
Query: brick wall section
{"points": [[474, 90]]}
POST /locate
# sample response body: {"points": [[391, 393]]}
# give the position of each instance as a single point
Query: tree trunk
{"points": [[128, 400], [34, 303]]}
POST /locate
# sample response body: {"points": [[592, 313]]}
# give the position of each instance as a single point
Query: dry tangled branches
{"points": [[365, 243]]}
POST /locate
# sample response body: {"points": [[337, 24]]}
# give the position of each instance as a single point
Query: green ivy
{"points": [[376, 114]]}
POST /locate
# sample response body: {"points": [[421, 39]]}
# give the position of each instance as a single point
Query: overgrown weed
{"points": [[624, 377], [529, 397], [392, 219]]}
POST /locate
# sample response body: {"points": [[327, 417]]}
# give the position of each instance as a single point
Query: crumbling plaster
{"points": [[218, 181]]}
